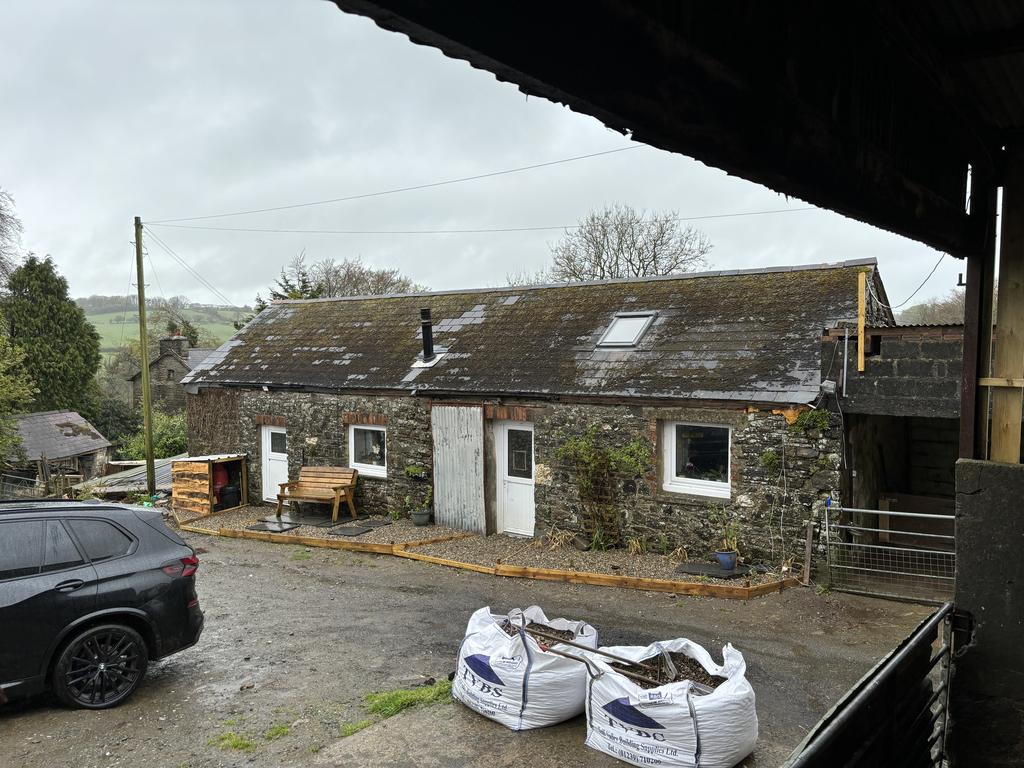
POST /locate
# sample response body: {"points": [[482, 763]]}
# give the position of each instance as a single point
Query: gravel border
{"points": [[537, 553], [400, 531]]}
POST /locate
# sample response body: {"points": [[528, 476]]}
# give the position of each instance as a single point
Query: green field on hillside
{"points": [[117, 329]]}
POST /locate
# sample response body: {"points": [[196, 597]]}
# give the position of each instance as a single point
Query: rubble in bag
{"points": [[542, 633], [703, 715], [513, 676], [657, 671]]}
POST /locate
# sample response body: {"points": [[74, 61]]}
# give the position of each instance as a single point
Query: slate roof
{"points": [[58, 435], [196, 355], [751, 335]]}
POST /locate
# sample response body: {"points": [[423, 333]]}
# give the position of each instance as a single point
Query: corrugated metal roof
{"points": [[751, 335], [58, 435], [134, 479]]}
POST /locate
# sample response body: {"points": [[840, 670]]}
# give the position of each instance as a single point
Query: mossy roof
{"points": [[745, 335]]}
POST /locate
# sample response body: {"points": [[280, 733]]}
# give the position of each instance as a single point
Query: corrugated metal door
{"points": [[458, 433]]}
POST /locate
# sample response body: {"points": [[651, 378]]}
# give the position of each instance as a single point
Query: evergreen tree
{"points": [[16, 392], [62, 348]]}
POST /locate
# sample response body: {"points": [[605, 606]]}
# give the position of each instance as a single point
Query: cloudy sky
{"points": [[117, 108]]}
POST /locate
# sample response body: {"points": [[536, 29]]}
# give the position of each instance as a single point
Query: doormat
{"points": [[714, 570], [274, 527], [376, 523], [350, 530]]}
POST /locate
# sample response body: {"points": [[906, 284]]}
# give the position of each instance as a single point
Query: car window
{"points": [[21, 548], [100, 539], [59, 551]]}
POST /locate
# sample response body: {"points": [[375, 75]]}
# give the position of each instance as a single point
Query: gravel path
{"points": [[537, 553], [398, 532]]}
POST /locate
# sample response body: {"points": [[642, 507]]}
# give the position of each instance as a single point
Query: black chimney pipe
{"points": [[428, 335]]}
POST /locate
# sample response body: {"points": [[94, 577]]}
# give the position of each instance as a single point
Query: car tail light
{"points": [[187, 566]]}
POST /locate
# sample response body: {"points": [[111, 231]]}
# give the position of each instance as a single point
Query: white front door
{"points": [[275, 460], [513, 453]]}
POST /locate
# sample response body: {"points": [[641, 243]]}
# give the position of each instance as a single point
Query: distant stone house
{"points": [[173, 362], [64, 441], [699, 380]]}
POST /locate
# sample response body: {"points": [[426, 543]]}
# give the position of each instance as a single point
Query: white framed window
{"points": [[626, 329], [696, 459], [367, 449]]}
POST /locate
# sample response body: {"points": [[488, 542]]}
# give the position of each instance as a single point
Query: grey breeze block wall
{"points": [[773, 506]]}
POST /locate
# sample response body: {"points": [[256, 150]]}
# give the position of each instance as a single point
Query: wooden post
{"points": [[862, 282], [1008, 361], [977, 356], [147, 395]]}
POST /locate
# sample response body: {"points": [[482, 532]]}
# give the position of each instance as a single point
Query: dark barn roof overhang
{"points": [[872, 109]]}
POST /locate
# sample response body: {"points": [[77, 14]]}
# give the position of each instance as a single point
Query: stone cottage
{"points": [[625, 409], [173, 362]]}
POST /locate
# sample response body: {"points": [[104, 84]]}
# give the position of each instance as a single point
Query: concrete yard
{"points": [[295, 638]]}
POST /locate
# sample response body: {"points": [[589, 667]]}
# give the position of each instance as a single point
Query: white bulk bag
{"points": [[512, 680], [672, 725]]}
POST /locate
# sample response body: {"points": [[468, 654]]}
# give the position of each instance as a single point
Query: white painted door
{"points": [[458, 434], [275, 460], [513, 453]]}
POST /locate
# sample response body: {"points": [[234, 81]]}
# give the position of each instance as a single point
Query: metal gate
{"points": [[896, 714], [458, 434], [905, 555]]}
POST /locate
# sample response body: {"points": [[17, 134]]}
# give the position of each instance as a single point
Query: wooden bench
{"points": [[328, 485]]}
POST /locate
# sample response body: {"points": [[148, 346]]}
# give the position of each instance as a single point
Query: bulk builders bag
{"points": [[506, 674], [680, 723]]}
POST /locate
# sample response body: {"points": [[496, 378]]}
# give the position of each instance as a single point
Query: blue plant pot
{"points": [[727, 560]]}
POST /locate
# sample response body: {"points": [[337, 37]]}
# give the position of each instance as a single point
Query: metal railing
{"points": [[896, 714], [905, 555]]}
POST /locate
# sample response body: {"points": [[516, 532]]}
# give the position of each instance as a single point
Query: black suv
{"points": [[89, 594]]}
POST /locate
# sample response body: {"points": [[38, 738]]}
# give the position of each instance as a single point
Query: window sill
{"points": [[370, 470], [711, 491]]}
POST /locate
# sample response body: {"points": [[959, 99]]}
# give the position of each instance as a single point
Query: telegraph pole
{"points": [[147, 398]]}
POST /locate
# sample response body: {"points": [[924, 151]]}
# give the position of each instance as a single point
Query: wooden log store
{"points": [[203, 485]]}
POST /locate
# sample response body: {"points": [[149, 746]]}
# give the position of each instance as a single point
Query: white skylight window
{"points": [[626, 329]]}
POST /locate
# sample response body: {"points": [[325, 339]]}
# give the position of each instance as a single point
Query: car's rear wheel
{"points": [[100, 667]]}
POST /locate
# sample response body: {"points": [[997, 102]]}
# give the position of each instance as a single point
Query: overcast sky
{"points": [[117, 108]]}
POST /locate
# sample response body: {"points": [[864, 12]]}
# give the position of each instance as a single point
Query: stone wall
{"points": [[165, 377], [780, 475], [772, 506], [229, 421]]}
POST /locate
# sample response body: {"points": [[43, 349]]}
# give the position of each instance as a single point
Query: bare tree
{"points": [[944, 310], [351, 277], [619, 241], [10, 235]]}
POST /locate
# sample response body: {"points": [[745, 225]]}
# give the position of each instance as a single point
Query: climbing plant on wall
{"points": [[599, 469]]}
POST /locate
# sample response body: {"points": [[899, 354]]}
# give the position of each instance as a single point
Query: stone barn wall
{"points": [[780, 473]]}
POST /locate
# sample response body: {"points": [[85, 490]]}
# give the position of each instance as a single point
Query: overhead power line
{"points": [[398, 190], [923, 282], [185, 265], [453, 231]]}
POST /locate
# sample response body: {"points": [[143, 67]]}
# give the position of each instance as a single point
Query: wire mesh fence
{"points": [[905, 555], [17, 487]]}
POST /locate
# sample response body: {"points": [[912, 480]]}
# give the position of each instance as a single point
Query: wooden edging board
{"points": [[648, 585], [401, 551], [308, 541], [511, 571]]}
